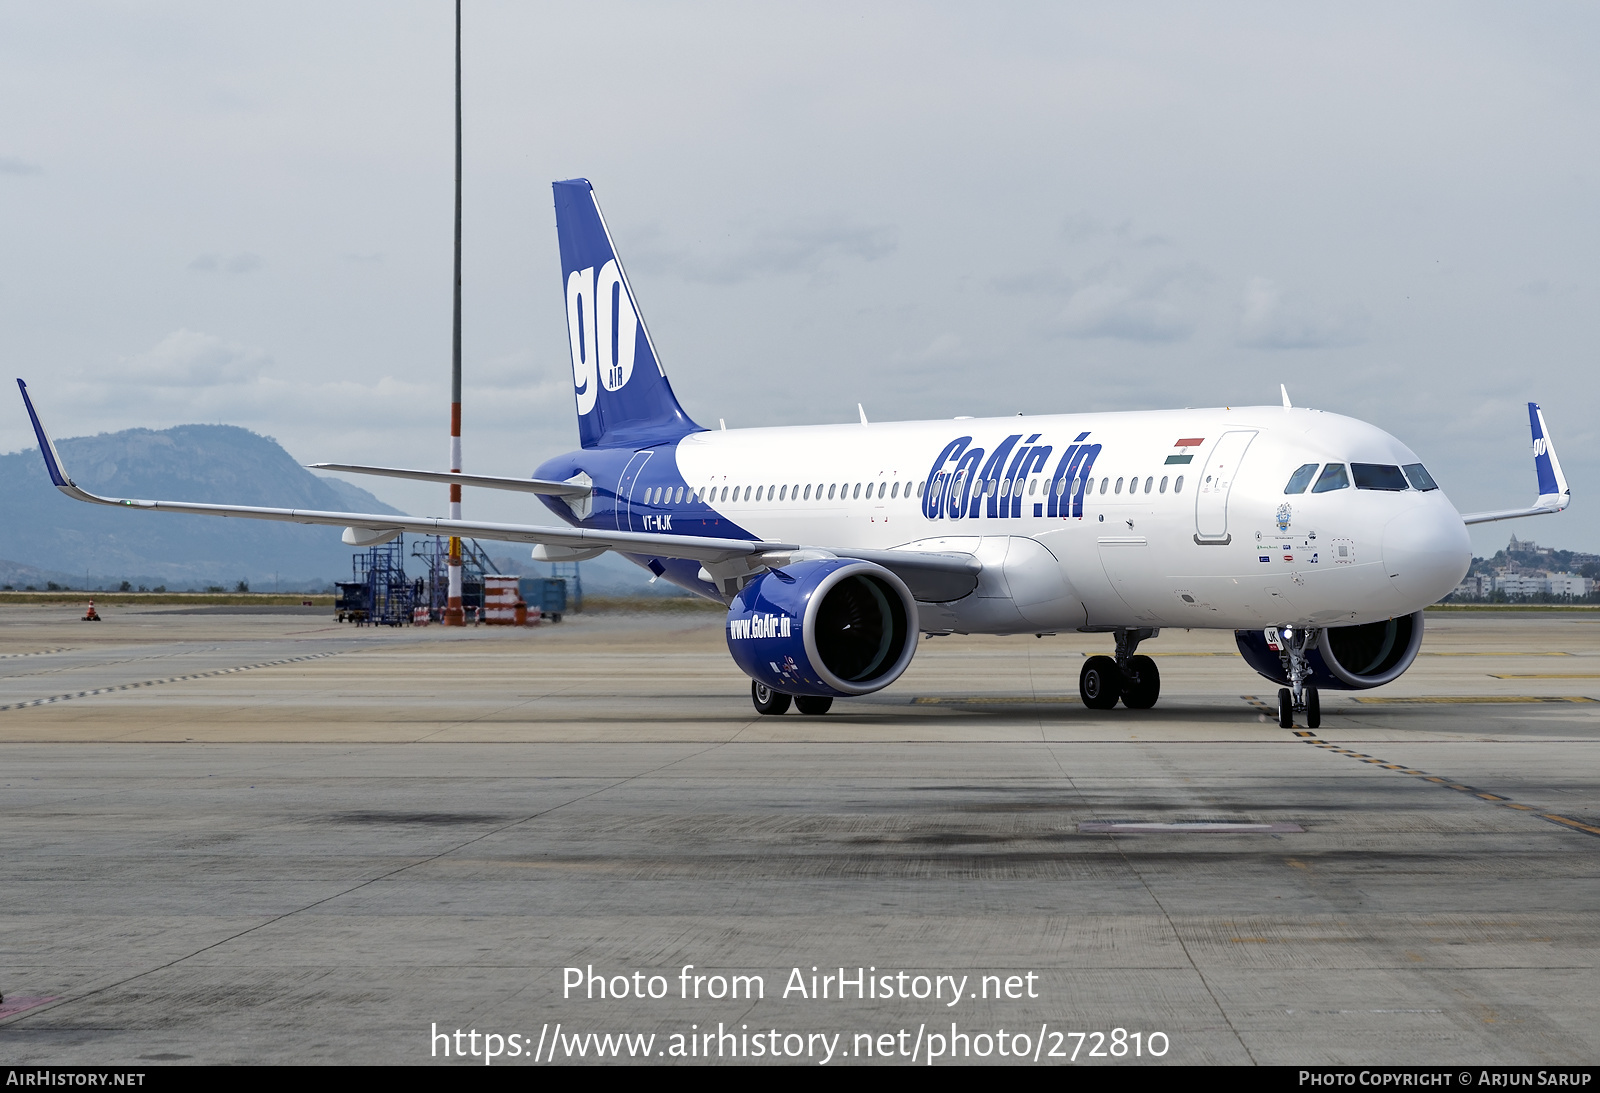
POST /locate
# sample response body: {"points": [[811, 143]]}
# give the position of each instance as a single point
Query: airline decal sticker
{"points": [[760, 625], [1183, 454], [604, 328]]}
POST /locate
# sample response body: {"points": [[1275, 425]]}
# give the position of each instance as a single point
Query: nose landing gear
{"points": [[1300, 696], [1132, 678]]}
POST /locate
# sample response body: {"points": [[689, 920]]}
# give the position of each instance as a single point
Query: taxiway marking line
{"points": [[38, 652], [1453, 700], [1492, 798], [170, 679]]}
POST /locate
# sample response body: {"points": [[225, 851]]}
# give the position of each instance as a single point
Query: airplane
{"points": [[1317, 538]]}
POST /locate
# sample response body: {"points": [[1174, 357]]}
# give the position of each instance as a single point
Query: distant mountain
{"points": [[221, 463]]}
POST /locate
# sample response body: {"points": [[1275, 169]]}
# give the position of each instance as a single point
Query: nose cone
{"points": [[1426, 551]]}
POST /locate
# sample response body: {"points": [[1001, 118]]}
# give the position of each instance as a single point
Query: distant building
{"points": [[1520, 584], [1570, 584]]}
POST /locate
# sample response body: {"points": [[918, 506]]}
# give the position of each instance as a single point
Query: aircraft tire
{"points": [[813, 704], [1141, 684], [1285, 709], [1100, 683], [1313, 709], [768, 701]]}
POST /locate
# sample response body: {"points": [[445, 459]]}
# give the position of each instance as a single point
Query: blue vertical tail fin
{"points": [[624, 399]]}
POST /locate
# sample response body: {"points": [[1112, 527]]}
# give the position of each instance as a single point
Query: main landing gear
{"points": [[1132, 678], [1300, 696], [768, 701]]}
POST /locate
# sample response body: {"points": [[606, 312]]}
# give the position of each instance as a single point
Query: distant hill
{"points": [[54, 535]]}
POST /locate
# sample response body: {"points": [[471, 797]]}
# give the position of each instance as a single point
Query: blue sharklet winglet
{"points": [[52, 461], [1554, 493]]}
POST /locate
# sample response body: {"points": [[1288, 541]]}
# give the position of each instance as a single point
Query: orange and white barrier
{"points": [[502, 603]]}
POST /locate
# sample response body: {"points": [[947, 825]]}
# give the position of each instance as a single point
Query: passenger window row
{"points": [[846, 491], [1013, 487], [1368, 476], [668, 495]]}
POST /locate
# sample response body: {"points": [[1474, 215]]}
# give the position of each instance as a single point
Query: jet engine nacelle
{"points": [[1345, 658], [831, 627]]}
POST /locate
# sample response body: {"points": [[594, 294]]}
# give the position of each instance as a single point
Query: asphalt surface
{"points": [[269, 838]]}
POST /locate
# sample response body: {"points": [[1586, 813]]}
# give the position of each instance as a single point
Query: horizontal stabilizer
{"points": [[455, 478]]}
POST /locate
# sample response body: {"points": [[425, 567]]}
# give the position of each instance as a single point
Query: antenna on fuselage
{"points": [[1287, 405]]}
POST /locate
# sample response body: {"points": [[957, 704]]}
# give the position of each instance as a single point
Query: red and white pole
{"points": [[453, 613]]}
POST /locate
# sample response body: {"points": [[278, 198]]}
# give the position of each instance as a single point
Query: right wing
{"points": [[931, 576]]}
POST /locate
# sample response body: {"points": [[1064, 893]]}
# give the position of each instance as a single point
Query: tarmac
{"points": [[270, 838]]}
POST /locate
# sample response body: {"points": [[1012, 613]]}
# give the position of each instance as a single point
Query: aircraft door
{"points": [[625, 485], [1215, 482]]}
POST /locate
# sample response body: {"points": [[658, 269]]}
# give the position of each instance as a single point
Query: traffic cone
{"points": [[92, 615]]}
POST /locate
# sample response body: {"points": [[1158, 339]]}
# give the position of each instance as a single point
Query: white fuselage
{"points": [[1226, 549]]}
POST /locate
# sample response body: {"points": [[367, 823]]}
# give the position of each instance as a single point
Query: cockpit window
{"points": [[1378, 476], [1332, 478], [1420, 478], [1300, 479]]}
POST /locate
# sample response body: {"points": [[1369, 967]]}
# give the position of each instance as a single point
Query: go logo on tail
{"points": [[604, 327]]}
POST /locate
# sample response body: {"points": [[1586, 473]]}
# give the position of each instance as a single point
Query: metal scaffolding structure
{"points": [[380, 593], [433, 589]]}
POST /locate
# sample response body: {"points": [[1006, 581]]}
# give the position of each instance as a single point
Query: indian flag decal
{"points": [[1183, 455]]}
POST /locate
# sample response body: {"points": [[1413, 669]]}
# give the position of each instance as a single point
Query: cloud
{"points": [[243, 262], [11, 165], [188, 358], [942, 349], [802, 246], [1270, 318], [1081, 227], [1159, 306]]}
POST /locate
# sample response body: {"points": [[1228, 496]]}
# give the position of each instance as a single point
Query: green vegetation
{"points": [[162, 596], [1581, 605]]}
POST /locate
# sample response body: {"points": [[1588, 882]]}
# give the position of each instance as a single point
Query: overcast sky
{"points": [[242, 214]]}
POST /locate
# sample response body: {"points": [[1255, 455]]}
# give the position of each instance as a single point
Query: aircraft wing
{"points": [[1554, 494], [930, 574]]}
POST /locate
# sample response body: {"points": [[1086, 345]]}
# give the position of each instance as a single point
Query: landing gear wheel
{"points": [[1141, 683], [767, 700], [1285, 709], [813, 704], [1313, 709], [1100, 683]]}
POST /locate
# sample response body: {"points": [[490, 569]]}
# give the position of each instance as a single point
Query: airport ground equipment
{"points": [[380, 593], [547, 595], [568, 571]]}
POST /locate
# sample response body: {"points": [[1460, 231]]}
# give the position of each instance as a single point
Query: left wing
{"points": [[1554, 494]]}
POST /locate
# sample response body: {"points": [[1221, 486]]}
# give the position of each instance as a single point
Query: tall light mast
{"points": [[453, 614]]}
